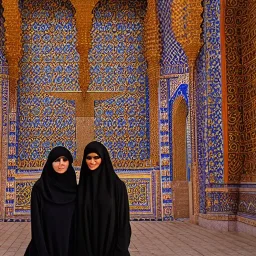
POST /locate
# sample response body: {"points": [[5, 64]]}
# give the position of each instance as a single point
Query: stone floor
{"points": [[152, 238]]}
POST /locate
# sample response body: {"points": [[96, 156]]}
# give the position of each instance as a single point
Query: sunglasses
{"points": [[61, 157], [93, 157]]}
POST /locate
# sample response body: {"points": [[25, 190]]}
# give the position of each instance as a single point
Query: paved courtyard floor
{"points": [[152, 238]]}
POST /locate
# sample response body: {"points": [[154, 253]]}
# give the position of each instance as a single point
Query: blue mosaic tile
{"points": [[116, 57], [165, 153], [173, 59], [201, 125], [122, 123], [49, 63], [214, 125], [209, 103]]}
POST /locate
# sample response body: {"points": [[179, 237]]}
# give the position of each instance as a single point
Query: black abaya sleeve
{"points": [[37, 246], [124, 228]]}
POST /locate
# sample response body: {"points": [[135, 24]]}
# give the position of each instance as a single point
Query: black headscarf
{"points": [[104, 173], [59, 188], [100, 195]]}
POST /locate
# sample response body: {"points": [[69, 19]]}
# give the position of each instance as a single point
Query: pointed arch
{"points": [[180, 182], [179, 117]]}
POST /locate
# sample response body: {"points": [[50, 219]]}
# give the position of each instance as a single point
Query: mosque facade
{"points": [[168, 86]]}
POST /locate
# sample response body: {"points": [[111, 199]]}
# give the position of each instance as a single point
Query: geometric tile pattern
{"points": [[235, 90], [6, 186], [241, 81], [49, 63], [144, 193], [214, 148], [12, 164], [169, 90], [173, 59], [9, 146], [121, 124], [221, 202], [118, 64], [248, 95], [2, 36], [139, 191], [23, 195], [182, 91], [209, 103], [247, 203], [45, 122], [176, 100], [116, 56], [49, 43], [165, 154], [215, 158], [164, 124], [231, 199], [143, 189], [201, 110]]}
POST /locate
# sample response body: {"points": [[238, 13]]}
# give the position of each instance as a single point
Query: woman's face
{"points": [[60, 165], [93, 161]]}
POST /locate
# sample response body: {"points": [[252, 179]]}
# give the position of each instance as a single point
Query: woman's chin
{"points": [[93, 168]]}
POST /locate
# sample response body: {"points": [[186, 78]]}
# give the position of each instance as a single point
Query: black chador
{"points": [[103, 209], [53, 202]]}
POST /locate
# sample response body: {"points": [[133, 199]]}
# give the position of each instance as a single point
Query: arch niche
{"points": [[180, 177]]}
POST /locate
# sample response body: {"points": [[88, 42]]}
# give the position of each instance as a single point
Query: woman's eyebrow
{"points": [[61, 157]]}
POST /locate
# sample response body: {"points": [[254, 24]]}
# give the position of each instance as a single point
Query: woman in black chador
{"points": [[53, 201], [103, 207]]}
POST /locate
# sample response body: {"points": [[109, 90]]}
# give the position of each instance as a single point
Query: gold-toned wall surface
{"points": [[241, 82], [179, 118], [248, 93], [234, 89], [180, 181], [13, 46]]}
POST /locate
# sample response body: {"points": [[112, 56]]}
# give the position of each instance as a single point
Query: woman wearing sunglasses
{"points": [[103, 207], [53, 201]]}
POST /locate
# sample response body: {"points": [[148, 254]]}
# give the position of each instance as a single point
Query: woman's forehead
{"points": [[93, 153], [60, 157]]}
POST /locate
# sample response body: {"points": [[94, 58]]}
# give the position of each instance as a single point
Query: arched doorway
{"points": [[180, 177]]}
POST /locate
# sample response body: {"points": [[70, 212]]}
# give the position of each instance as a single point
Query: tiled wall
{"points": [[211, 33], [240, 52], [201, 109], [209, 107], [5, 187], [173, 59], [143, 186], [49, 63], [241, 99], [174, 63], [118, 64]]}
